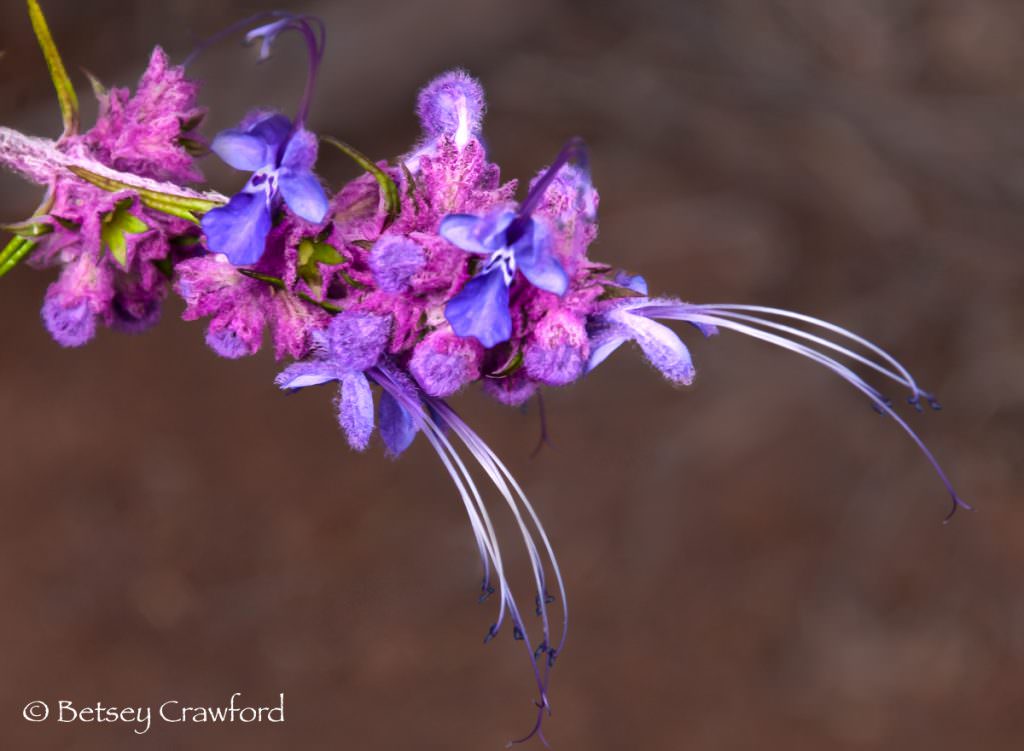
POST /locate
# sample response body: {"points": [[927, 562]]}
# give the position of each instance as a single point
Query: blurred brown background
{"points": [[756, 561]]}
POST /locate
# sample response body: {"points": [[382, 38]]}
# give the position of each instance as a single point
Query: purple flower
{"points": [[449, 107], [281, 158], [626, 322], [393, 260], [351, 345], [512, 240], [557, 350], [443, 363], [74, 302], [143, 133]]}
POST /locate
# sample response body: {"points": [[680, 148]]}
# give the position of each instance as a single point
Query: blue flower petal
{"points": [[242, 151], [299, 375], [636, 283], [397, 428], [534, 258], [461, 231], [303, 194], [492, 229], [355, 409], [300, 153], [602, 344], [271, 129], [477, 234], [660, 344], [239, 229], [480, 309]]}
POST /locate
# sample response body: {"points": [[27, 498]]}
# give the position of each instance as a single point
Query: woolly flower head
{"points": [[451, 105]]}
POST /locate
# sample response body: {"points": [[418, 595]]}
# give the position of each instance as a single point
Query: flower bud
{"points": [[443, 362]]}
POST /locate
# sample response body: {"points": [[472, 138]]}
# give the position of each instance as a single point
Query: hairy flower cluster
{"points": [[419, 278], [115, 255]]}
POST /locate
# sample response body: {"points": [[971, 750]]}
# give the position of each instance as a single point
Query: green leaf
{"points": [[65, 91], [387, 185], [311, 254], [183, 207], [117, 224], [12, 254]]}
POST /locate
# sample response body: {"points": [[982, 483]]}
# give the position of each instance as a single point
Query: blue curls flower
{"points": [[281, 158], [511, 242]]}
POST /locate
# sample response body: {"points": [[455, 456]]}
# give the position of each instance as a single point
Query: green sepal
{"points": [[514, 363], [410, 187], [165, 267], [387, 185], [194, 147], [191, 123], [313, 252], [182, 207], [98, 89], [118, 223], [354, 283], [185, 241], [65, 91], [14, 251], [278, 283]]}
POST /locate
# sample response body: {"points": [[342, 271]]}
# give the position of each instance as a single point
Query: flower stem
{"points": [[11, 255]]}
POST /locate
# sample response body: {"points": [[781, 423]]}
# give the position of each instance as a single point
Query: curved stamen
{"points": [[486, 460], [903, 378], [483, 530], [867, 344], [312, 29], [459, 425], [234, 28], [431, 416], [698, 314], [575, 152], [315, 39]]}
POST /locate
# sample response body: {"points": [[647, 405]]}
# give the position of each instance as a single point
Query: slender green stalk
{"points": [[16, 249], [387, 185], [65, 91]]}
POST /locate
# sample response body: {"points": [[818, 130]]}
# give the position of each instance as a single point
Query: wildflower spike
{"points": [[414, 281]]}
